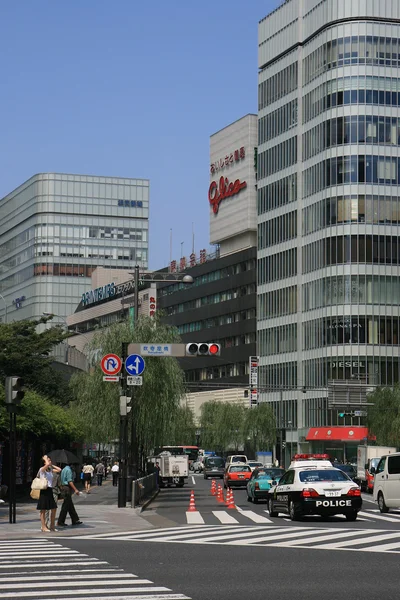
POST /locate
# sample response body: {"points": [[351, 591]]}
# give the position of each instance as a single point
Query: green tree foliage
{"points": [[156, 402], [383, 419], [225, 425], [26, 352], [183, 428], [42, 418], [260, 427]]}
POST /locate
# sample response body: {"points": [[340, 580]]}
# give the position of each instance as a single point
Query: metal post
{"points": [[12, 460], [134, 447]]}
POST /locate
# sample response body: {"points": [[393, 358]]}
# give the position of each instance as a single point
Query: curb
{"points": [[145, 505]]}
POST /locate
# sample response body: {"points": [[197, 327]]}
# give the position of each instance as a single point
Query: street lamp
{"points": [[5, 308]]}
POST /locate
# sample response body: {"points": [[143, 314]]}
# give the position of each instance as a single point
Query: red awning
{"points": [[338, 434]]}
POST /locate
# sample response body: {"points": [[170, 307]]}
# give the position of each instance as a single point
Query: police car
{"points": [[312, 486]]}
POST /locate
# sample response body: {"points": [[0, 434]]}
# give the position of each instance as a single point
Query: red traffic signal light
{"points": [[203, 349]]}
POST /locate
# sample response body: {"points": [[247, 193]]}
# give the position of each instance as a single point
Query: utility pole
{"points": [[14, 395]]}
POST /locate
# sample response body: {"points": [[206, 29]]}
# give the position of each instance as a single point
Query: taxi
{"points": [[312, 486], [237, 475], [261, 482]]}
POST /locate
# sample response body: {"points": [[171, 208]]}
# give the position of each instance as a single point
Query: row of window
{"points": [[277, 230], [383, 91], [243, 315], [278, 86], [344, 329], [351, 289], [351, 209], [357, 129], [278, 266], [278, 340], [278, 157], [229, 271], [363, 50], [278, 193], [277, 303], [211, 299], [373, 370], [218, 372], [278, 377], [369, 249], [351, 169], [117, 233], [277, 122]]}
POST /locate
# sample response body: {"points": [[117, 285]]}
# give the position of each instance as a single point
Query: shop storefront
{"points": [[339, 442]]}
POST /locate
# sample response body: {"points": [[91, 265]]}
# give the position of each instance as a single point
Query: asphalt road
{"points": [[171, 506], [232, 555]]}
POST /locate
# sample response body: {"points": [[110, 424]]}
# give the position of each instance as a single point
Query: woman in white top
{"points": [[46, 500]]}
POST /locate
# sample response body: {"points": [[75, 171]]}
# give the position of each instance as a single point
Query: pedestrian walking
{"points": [[67, 489], [100, 473], [157, 470], [56, 490], [88, 471], [46, 500], [115, 472]]}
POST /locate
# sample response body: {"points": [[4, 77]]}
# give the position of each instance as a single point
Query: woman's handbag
{"points": [[35, 494], [39, 483]]}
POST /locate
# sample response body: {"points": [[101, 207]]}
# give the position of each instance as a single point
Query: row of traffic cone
{"points": [[219, 493], [230, 503]]}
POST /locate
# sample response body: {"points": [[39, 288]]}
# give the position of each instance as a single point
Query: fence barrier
{"points": [[143, 489]]}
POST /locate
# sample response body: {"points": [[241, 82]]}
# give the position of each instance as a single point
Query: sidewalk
{"points": [[98, 510]]}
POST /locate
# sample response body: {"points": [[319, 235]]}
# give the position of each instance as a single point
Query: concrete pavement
{"points": [[98, 511]]}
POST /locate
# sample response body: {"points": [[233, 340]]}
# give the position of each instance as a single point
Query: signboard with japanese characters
{"points": [[253, 380], [232, 194]]}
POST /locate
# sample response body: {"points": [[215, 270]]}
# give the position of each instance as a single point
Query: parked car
{"points": [[387, 482], [214, 466], [261, 482], [348, 469]]}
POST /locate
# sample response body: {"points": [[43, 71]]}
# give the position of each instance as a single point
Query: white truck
{"points": [[367, 461], [174, 468]]}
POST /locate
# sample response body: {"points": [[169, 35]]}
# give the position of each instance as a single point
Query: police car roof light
{"points": [[311, 457]]}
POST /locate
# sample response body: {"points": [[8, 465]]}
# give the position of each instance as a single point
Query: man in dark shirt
{"points": [[67, 488]]}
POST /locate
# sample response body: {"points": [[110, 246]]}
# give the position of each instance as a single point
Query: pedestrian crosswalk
{"points": [[42, 569], [245, 517], [315, 538]]}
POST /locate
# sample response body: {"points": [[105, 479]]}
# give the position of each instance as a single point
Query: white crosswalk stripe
{"points": [[315, 538], [71, 575]]}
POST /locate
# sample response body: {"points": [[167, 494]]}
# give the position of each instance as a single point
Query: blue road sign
{"points": [[134, 364]]}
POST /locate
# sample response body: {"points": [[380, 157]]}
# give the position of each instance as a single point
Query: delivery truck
{"points": [[367, 461], [173, 468]]}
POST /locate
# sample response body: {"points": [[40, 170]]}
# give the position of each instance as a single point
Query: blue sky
{"points": [[127, 88]]}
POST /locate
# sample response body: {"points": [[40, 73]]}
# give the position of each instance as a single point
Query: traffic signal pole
{"points": [[12, 499]]}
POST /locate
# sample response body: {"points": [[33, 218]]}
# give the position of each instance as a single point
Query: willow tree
{"points": [[260, 427], [383, 417], [155, 404], [183, 430]]}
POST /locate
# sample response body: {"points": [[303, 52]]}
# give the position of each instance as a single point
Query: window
{"points": [[393, 465]]}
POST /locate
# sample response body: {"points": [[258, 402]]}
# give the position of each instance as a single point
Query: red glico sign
{"points": [[217, 193]]}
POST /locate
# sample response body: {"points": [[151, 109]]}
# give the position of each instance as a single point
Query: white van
{"points": [[387, 482], [236, 458]]}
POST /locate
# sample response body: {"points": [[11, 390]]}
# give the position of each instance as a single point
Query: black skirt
{"points": [[46, 500]]}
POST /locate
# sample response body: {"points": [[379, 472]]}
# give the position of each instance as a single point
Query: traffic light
{"points": [[14, 391], [345, 414], [203, 349], [124, 408]]}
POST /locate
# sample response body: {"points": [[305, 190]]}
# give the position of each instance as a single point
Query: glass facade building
{"points": [[328, 203], [55, 229]]}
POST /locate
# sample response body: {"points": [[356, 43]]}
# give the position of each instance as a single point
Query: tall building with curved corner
{"points": [[328, 209], [56, 228]]}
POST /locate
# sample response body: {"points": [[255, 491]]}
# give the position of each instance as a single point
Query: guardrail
{"points": [[143, 489]]}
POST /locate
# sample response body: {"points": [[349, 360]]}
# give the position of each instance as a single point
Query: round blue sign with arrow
{"points": [[134, 364]]}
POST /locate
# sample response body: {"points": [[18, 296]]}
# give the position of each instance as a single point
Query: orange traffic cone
{"points": [[213, 488], [220, 495], [230, 503], [192, 506]]}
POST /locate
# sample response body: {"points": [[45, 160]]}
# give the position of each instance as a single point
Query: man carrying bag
{"points": [[67, 488]]}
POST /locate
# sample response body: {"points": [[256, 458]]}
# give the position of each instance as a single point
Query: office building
{"points": [[55, 229], [328, 207]]}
